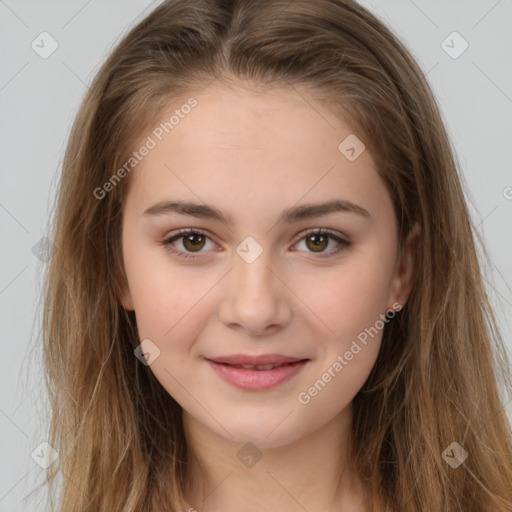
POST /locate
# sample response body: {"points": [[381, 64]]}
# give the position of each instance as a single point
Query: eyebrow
{"points": [[288, 216]]}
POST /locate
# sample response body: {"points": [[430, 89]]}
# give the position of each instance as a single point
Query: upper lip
{"points": [[246, 359]]}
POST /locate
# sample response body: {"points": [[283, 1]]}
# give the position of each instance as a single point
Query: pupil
{"points": [[318, 244], [190, 241]]}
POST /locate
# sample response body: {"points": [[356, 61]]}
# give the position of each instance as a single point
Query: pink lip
{"points": [[247, 359], [257, 380]]}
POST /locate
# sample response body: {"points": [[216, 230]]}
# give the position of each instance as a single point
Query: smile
{"points": [[257, 377]]}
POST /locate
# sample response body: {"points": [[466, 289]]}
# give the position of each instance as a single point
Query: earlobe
{"points": [[402, 282], [126, 296], [127, 300]]}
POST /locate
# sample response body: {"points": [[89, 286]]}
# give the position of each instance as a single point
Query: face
{"points": [[260, 274]]}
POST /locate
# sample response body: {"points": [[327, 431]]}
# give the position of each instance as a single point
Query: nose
{"points": [[255, 299]]}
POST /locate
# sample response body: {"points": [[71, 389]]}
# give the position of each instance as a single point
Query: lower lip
{"points": [[257, 380]]}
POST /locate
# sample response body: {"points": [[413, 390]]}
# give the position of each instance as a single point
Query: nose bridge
{"points": [[253, 275], [252, 279], [255, 298]]}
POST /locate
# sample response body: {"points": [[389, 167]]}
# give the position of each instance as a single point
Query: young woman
{"points": [[265, 292]]}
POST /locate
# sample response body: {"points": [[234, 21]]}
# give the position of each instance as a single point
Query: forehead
{"points": [[270, 145], [271, 120]]}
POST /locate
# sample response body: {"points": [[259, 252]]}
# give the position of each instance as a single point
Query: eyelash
{"points": [[344, 244]]}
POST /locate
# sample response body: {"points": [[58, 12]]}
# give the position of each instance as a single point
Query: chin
{"points": [[263, 434]]}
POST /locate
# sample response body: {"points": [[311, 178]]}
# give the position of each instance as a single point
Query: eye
{"points": [[191, 239], [317, 240], [194, 240]]}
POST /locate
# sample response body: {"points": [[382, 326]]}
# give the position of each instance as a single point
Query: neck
{"points": [[311, 473]]}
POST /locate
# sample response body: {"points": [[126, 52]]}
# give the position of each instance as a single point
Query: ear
{"points": [[126, 296], [402, 281], [126, 299]]}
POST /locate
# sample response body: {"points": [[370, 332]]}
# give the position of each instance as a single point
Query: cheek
{"points": [[349, 298], [349, 305], [173, 312], [167, 299], [349, 336]]}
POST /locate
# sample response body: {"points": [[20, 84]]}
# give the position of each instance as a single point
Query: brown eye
{"points": [[317, 242], [193, 242]]}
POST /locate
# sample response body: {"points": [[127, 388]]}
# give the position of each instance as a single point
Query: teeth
{"points": [[257, 367], [265, 367]]}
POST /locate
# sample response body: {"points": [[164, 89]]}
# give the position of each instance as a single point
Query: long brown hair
{"points": [[442, 363]]}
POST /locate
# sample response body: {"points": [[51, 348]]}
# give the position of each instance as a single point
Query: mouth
{"points": [[247, 360], [257, 375], [259, 367]]}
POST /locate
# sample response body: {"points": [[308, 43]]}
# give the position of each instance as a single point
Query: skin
{"points": [[252, 153]]}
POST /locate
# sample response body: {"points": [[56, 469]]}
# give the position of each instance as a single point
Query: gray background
{"points": [[39, 98]]}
